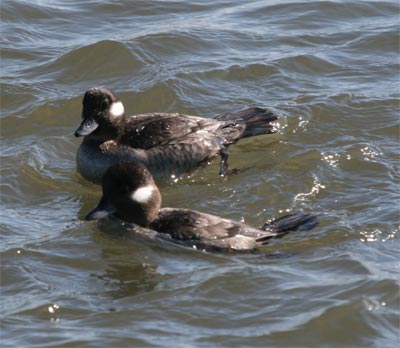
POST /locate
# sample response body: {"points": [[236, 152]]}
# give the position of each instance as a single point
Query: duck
{"points": [[169, 144], [130, 194]]}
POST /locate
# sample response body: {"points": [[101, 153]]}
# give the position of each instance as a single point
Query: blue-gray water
{"points": [[329, 68]]}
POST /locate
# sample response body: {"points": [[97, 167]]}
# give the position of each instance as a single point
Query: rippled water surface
{"points": [[330, 69]]}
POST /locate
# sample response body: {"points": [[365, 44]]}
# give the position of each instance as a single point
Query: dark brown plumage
{"points": [[168, 144], [129, 193]]}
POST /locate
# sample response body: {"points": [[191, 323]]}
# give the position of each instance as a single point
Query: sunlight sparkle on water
{"points": [[376, 235], [52, 309], [317, 186], [369, 154]]}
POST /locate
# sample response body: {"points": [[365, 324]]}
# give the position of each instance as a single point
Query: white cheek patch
{"points": [[117, 109], [142, 194]]}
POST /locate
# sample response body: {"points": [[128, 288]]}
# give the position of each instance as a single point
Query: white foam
{"points": [[117, 109], [142, 194]]}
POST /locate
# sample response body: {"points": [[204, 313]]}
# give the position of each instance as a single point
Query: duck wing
{"points": [[207, 231], [146, 131]]}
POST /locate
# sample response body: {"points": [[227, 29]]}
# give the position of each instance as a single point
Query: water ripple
{"points": [[328, 69]]}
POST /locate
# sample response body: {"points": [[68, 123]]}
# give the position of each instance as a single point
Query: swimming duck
{"points": [[130, 194], [169, 144]]}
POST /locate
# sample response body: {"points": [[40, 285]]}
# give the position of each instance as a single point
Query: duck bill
{"points": [[103, 209], [88, 126]]}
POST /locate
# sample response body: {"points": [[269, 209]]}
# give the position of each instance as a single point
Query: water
{"points": [[330, 69]]}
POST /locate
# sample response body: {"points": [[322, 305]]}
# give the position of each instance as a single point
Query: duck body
{"points": [[151, 139], [211, 232], [130, 194], [166, 143]]}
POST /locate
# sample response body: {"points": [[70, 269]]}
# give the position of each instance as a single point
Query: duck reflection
{"points": [[129, 271], [129, 280]]}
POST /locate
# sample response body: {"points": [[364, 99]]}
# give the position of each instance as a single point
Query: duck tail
{"points": [[291, 222], [252, 121]]}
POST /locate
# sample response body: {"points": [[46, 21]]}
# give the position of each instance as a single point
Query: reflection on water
{"points": [[129, 280]]}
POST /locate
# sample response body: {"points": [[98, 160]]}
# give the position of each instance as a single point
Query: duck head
{"points": [[103, 115], [129, 193]]}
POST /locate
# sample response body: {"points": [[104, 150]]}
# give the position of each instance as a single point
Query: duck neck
{"points": [[142, 214]]}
